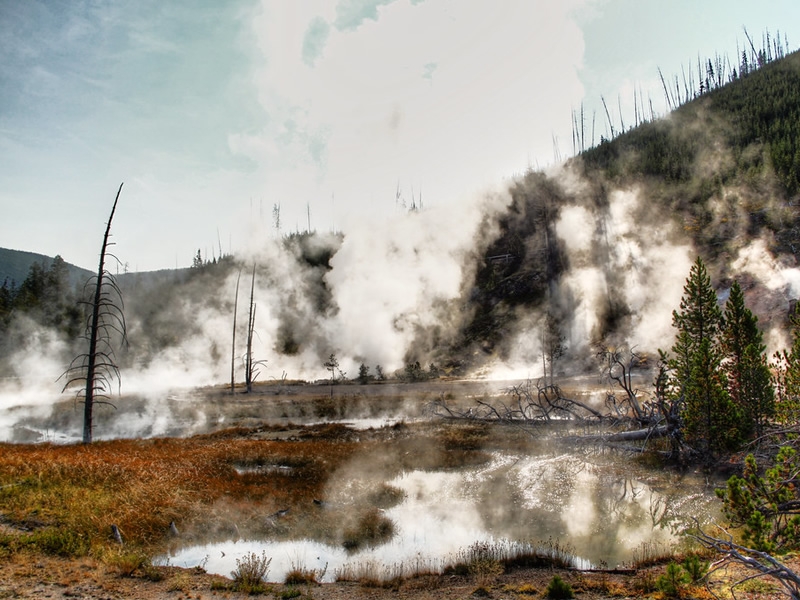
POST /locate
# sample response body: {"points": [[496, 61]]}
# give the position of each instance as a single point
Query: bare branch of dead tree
{"points": [[530, 402], [96, 368], [761, 563]]}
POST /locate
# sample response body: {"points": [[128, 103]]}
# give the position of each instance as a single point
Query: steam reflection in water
{"points": [[602, 511]]}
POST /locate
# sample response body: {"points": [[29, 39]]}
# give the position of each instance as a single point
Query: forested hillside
{"points": [[15, 266], [717, 177]]}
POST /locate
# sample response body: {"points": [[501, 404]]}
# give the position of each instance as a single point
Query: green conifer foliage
{"points": [[745, 365], [711, 419], [766, 507], [787, 376]]}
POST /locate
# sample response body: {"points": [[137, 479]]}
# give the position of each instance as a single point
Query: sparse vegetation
{"points": [[251, 573], [302, 575], [558, 589]]}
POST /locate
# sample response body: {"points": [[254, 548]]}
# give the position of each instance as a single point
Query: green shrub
{"points": [[558, 589], [695, 567], [672, 580]]}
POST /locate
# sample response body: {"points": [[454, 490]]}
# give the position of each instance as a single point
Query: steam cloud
{"points": [[398, 290]]}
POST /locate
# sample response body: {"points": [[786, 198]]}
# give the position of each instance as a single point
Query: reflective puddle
{"points": [[600, 507]]}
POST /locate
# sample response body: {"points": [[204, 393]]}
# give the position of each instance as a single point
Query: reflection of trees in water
{"points": [[601, 509], [523, 499]]}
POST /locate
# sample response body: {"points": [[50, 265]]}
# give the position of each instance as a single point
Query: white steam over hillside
{"points": [[400, 290], [595, 255]]}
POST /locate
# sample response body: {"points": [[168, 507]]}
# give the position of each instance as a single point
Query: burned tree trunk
{"points": [[250, 364], [97, 366], [233, 341], [251, 319]]}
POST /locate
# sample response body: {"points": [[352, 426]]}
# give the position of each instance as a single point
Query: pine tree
{"points": [[745, 365], [710, 417], [699, 319], [787, 375], [712, 420]]}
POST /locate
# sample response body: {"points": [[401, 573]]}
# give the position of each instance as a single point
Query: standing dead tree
{"points": [[233, 341], [97, 367], [618, 365], [250, 364]]}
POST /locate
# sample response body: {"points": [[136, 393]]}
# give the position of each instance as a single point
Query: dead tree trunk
{"points": [[97, 366], [761, 564], [233, 341], [251, 319]]}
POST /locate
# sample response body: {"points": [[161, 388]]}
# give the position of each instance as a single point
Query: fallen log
{"points": [[623, 436]]}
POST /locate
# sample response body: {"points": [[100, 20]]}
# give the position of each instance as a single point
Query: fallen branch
{"points": [[624, 436], [764, 565]]}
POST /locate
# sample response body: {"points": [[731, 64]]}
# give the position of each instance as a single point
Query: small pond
{"points": [[601, 506]]}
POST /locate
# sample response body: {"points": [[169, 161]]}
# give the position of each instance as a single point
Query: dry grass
{"points": [[648, 554], [65, 498]]}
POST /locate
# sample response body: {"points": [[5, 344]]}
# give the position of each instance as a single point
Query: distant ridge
{"points": [[15, 265]]}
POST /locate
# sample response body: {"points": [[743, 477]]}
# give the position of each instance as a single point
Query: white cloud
{"points": [[445, 96]]}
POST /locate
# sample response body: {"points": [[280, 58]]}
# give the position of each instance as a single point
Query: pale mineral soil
{"points": [[43, 577]]}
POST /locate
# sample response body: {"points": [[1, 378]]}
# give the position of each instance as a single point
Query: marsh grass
{"points": [[63, 499], [483, 561], [299, 574], [514, 555], [648, 554], [371, 573], [250, 573]]}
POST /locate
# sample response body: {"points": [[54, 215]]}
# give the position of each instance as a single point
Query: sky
{"points": [[339, 113]]}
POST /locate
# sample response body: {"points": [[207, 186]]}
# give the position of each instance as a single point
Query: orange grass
{"points": [[142, 485]]}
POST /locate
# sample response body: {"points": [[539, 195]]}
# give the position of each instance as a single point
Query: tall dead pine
{"points": [[97, 367]]}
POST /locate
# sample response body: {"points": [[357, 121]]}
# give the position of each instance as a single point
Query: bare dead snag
{"points": [[233, 341], [618, 367], [251, 365], [760, 563], [251, 319], [97, 367]]}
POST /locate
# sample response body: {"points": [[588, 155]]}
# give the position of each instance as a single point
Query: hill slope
{"points": [[599, 248], [15, 265]]}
